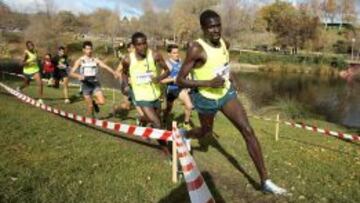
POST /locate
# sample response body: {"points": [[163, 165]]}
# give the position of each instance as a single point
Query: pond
{"points": [[330, 97]]}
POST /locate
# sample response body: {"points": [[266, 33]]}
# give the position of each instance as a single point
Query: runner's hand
{"points": [[218, 81], [155, 80]]}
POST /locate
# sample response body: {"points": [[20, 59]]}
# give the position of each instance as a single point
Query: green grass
{"points": [[337, 61], [45, 158]]}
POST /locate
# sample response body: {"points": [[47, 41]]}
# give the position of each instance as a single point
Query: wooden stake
{"points": [[174, 154], [277, 127], [113, 92]]}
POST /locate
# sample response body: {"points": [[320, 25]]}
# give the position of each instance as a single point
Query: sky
{"points": [[126, 7]]}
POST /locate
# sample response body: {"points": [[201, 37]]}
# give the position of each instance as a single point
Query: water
{"points": [[333, 98]]}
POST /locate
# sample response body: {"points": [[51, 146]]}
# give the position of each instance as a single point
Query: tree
{"points": [[185, 17], [348, 11], [67, 22], [293, 27], [330, 9], [42, 28]]}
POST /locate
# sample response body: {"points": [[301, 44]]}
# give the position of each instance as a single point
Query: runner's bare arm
{"points": [[119, 71], [73, 70], [25, 58], [125, 63], [160, 63], [106, 67], [194, 56], [169, 79]]}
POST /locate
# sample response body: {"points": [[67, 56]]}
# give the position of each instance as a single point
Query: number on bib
{"points": [[144, 78], [223, 71]]}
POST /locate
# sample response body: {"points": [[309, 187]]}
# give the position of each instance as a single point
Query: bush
{"points": [[342, 47], [266, 58], [12, 37], [291, 108], [74, 47]]}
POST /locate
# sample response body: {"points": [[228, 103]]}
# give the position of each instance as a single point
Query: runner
{"points": [[61, 71], [89, 71], [127, 90], [31, 70], [48, 69], [173, 91], [143, 67], [208, 60]]}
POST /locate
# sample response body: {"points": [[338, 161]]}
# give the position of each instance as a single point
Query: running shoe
{"points": [[270, 187]]}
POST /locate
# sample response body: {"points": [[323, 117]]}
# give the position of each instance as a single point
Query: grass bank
{"points": [[45, 158]]}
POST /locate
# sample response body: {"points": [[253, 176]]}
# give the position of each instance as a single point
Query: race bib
{"points": [[89, 71], [144, 78], [223, 71]]}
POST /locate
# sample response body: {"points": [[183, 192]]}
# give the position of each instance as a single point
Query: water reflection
{"points": [[331, 97]]}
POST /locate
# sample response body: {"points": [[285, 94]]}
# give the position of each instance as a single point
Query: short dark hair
{"points": [[29, 42], [61, 48], [48, 54], [206, 15], [171, 47], [137, 35], [87, 43]]}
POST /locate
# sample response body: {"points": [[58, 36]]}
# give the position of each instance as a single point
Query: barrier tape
{"points": [[340, 135], [195, 183], [134, 130]]}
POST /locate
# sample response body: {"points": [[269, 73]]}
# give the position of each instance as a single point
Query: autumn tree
{"points": [[293, 27], [348, 11], [185, 17], [330, 10]]}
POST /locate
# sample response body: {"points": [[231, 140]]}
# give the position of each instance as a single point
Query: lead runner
{"points": [[208, 60]]}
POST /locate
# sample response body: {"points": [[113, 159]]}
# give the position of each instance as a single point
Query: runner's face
{"points": [[141, 46], [47, 57], [61, 52], [88, 50], [30, 46], [174, 54], [212, 29]]}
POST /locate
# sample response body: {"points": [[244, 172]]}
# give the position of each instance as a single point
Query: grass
{"points": [[45, 158], [309, 60]]}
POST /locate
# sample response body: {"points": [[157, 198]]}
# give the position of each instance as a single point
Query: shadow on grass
{"points": [[206, 142], [180, 194], [312, 144]]}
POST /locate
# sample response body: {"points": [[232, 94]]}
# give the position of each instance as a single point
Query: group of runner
{"points": [[53, 68], [202, 81]]}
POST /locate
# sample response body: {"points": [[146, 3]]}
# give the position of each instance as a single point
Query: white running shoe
{"points": [[40, 101], [187, 141], [67, 101], [270, 187]]}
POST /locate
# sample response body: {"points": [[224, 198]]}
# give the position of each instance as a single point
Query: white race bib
{"points": [[89, 71], [144, 78], [223, 71]]}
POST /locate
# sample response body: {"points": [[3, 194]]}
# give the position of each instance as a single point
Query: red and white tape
{"points": [[197, 188], [340, 135], [134, 130], [195, 183]]}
